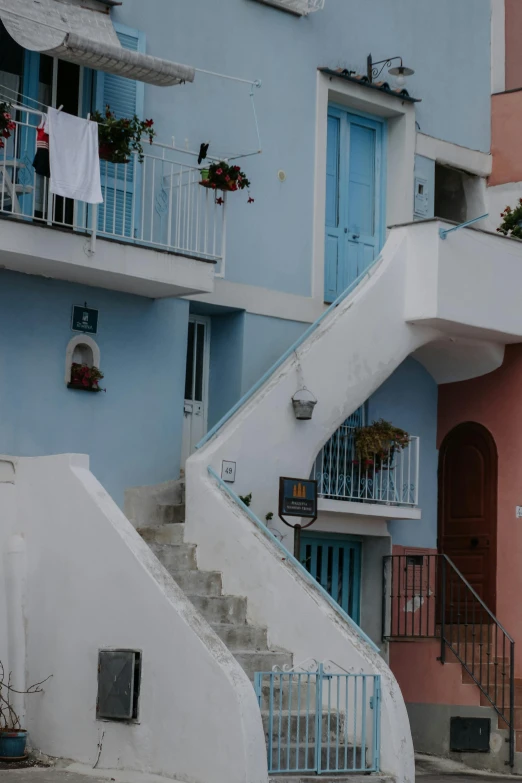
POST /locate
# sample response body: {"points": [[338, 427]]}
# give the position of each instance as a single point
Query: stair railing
{"points": [[426, 596]]}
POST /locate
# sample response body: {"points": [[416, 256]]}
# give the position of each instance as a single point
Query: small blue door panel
{"points": [[354, 188], [335, 562]]}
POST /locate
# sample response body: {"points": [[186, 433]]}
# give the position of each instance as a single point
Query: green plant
{"points": [[269, 517], [512, 221], [223, 176], [9, 719], [246, 499], [377, 442], [119, 138]]}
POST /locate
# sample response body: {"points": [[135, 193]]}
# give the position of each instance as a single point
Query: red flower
{"points": [[219, 200], [149, 123], [234, 186], [227, 178], [250, 200], [214, 185]]}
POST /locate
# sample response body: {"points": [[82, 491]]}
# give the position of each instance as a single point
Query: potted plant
{"points": [[375, 445], [511, 221], [13, 738], [85, 378], [223, 176], [119, 138], [6, 123]]}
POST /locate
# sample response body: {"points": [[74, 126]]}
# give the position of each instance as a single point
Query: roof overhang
{"points": [[81, 31]]}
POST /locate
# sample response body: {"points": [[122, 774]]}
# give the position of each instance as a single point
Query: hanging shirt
{"points": [[74, 157], [41, 159]]}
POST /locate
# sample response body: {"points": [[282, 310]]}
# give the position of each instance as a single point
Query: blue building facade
{"points": [[285, 255]]}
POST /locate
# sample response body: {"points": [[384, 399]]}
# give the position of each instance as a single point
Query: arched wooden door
{"points": [[468, 506]]}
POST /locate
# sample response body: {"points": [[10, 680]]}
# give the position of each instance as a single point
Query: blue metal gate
{"points": [[320, 721]]}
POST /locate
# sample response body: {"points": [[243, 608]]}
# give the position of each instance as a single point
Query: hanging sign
{"points": [[297, 498], [84, 319]]}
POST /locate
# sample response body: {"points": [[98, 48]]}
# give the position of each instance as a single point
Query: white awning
{"points": [[81, 31]]}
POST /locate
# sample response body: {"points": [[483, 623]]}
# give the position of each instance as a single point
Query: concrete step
{"points": [[289, 697], [304, 724], [242, 637], [160, 515], [176, 557], [164, 534], [489, 675], [254, 661], [484, 702], [199, 582], [294, 756], [221, 609]]}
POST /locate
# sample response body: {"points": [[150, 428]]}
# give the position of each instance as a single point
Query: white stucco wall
{"points": [[347, 357], [93, 583]]}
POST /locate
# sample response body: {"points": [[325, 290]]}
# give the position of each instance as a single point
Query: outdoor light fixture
{"points": [[400, 71]]}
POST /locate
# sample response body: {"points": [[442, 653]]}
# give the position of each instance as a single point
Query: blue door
{"points": [[354, 190], [335, 562]]}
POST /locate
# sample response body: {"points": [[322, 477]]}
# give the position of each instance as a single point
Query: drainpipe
{"points": [[16, 576]]}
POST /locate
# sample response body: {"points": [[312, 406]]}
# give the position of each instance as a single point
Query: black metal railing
{"points": [[427, 597]]}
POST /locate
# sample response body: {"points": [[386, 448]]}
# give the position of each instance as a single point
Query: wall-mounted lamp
{"points": [[400, 71]]}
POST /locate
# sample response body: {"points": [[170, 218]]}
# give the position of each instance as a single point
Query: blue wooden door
{"points": [[335, 562], [354, 190]]}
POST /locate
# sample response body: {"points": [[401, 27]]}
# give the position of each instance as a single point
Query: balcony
{"points": [[158, 232], [383, 486]]}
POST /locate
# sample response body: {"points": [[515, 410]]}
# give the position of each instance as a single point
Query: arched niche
{"points": [[81, 349]]}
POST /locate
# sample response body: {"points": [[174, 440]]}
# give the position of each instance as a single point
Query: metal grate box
{"points": [[470, 735], [119, 676]]}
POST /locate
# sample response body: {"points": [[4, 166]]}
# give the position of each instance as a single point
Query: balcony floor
{"points": [[375, 510], [119, 266]]}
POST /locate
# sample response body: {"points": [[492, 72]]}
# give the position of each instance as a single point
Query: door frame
{"points": [[493, 454], [206, 320]]}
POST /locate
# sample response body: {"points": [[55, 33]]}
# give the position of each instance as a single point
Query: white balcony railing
{"points": [[392, 479], [158, 203]]}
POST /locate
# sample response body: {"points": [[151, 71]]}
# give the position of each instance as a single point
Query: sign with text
{"points": [[228, 471], [84, 319], [298, 498]]}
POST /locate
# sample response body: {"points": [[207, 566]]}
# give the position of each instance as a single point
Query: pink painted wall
{"points": [[495, 401], [424, 680], [506, 121], [513, 48]]}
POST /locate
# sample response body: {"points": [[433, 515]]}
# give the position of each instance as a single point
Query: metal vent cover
{"points": [[470, 735], [119, 675]]}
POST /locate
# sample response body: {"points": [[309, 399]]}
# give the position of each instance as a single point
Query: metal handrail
{"points": [[433, 602]]}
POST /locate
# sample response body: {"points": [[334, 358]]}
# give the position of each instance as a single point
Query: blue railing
{"points": [[320, 721], [282, 359], [291, 559]]}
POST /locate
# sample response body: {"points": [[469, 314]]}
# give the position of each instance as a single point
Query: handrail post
{"points": [[443, 611], [512, 704]]}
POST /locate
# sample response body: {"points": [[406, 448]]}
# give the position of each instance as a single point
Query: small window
{"points": [[119, 680]]}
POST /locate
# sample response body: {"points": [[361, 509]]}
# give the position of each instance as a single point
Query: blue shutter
{"points": [[119, 183]]}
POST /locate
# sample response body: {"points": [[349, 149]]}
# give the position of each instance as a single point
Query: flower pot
{"points": [[12, 743], [109, 153], [81, 387], [205, 173]]}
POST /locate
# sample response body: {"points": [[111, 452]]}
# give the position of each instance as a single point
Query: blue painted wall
{"points": [[133, 432], [264, 341], [269, 242], [409, 400], [226, 364]]}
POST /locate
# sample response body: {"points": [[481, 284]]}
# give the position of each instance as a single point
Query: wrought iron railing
{"points": [[320, 719], [426, 596], [392, 479], [158, 203]]}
